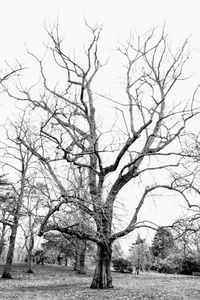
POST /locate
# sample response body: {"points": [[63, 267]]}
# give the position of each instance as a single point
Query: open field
{"points": [[57, 282]]}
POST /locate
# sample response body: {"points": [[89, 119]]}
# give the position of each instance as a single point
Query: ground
{"points": [[52, 282]]}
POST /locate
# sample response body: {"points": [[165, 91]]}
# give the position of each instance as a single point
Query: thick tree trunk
{"points": [[7, 268], [102, 276], [82, 257]]}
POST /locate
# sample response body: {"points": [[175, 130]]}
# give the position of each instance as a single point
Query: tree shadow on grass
{"points": [[50, 287]]}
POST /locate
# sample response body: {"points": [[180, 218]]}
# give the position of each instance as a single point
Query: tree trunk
{"points": [[59, 258], [102, 276], [16, 214], [82, 257], [30, 255], [66, 260], [137, 270], [77, 256], [30, 270], [2, 241], [7, 268]]}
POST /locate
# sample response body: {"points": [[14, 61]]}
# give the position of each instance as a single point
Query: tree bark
{"points": [[66, 260], [59, 259], [102, 276], [7, 268], [2, 240], [30, 255], [77, 256], [25, 158], [82, 257]]}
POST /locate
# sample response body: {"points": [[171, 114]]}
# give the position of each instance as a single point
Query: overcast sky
{"points": [[22, 22]]}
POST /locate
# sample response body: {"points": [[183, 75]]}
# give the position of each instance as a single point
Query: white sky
{"points": [[22, 21]]}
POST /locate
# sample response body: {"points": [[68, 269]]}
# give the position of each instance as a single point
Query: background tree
{"points": [[117, 250], [186, 233], [17, 159], [163, 243], [186, 229], [36, 200], [80, 252], [71, 135], [5, 75], [6, 211], [140, 255], [122, 265], [58, 245]]}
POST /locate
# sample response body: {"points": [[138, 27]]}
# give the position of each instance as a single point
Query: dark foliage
{"points": [[171, 264], [163, 243], [122, 265], [167, 268], [190, 265]]}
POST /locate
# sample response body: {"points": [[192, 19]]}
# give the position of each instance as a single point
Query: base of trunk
{"points": [[82, 272], [102, 275], [6, 276], [29, 271], [97, 284]]}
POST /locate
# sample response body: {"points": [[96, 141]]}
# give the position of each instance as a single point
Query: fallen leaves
{"points": [[52, 282]]}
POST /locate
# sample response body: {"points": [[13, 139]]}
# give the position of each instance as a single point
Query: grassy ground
{"points": [[57, 283]]}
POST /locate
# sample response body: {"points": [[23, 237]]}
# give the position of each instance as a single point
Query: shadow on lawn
{"points": [[50, 287]]}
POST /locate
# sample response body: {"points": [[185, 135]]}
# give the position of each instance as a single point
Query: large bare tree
{"points": [[74, 137]]}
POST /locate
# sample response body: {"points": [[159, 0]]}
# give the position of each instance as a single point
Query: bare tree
{"points": [[71, 136], [6, 199], [35, 202], [186, 235], [6, 209], [17, 159]]}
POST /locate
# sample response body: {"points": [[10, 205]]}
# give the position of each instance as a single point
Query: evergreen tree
{"points": [[163, 243], [140, 255]]}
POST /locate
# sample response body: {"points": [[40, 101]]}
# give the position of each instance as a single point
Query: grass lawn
{"points": [[58, 282]]}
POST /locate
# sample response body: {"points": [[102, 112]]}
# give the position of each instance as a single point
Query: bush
{"points": [[176, 264], [154, 267], [171, 264], [190, 265], [166, 267], [122, 265]]}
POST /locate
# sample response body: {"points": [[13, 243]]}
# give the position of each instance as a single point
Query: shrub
{"points": [[171, 264], [166, 267], [154, 266], [122, 265], [190, 265]]}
